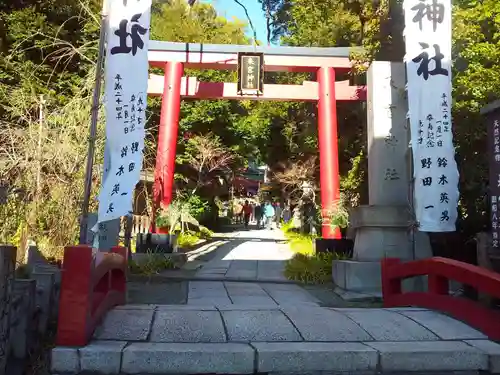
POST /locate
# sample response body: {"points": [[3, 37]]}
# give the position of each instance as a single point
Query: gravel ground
{"points": [[165, 293]]}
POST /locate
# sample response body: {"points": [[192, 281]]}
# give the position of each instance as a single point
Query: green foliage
{"points": [[311, 269], [298, 242], [338, 217], [197, 206], [227, 120], [306, 266], [205, 233], [205, 163], [476, 80], [49, 48], [153, 264], [187, 240], [176, 213]]}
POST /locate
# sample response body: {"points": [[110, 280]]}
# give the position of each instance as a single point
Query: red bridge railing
{"points": [[92, 283], [440, 271]]}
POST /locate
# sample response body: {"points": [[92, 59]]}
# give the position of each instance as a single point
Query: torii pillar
{"points": [[328, 148], [167, 136]]}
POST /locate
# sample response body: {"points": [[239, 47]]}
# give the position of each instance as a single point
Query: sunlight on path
{"points": [[259, 250], [251, 255]]}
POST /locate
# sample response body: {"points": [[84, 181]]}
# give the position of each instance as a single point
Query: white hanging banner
{"points": [[126, 83], [428, 65]]}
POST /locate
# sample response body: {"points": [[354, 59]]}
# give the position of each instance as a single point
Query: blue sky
{"points": [[230, 9]]}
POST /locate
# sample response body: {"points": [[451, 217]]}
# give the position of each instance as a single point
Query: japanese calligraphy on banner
{"points": [[428, 65], [126, 80], [493, 123]]}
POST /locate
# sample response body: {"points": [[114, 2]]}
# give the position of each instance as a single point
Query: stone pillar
{"points": [[382, 227]]}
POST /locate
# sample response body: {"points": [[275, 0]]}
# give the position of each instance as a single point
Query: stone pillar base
{"points": [[381, 232], [355, 276]]}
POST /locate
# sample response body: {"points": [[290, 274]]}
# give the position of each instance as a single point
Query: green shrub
{"points": [[311, 269], [197, 206], [287, 227], [298, 242], [154, 264], [302, 244], [187, 239], [205, 233]]}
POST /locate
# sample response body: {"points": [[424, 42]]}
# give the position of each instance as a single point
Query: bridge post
{"points": [[328, 147], [167, 134]]}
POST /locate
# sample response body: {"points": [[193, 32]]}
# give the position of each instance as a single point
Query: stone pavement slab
{"points": [[491, 348], [430, 356], [125, 325], [304, 357], [288, 294], [443, 326], [187, 326], [222, 293], [102, 356], [209, 301], [162, 358], [385, 325], [320, 324], [264, 325]]}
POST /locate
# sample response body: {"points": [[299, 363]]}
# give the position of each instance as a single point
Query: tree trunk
{"points": [[392, 47]]}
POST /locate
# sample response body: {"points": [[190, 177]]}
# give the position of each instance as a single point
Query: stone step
{"points": [[245, 339], [115, 357]]}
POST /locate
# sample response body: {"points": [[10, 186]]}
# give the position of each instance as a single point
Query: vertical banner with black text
{"points": [[493, 124], [126, 81], [428, 66]]}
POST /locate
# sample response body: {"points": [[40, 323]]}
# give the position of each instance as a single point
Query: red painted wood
{"points": [[308, 91], [167, 135], [91, 284], [440, 271], [328, 147], [229, 61]]}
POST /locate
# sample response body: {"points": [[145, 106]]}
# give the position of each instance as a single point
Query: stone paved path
{"points": [[220, 293], [250, 255], [273, 328]]}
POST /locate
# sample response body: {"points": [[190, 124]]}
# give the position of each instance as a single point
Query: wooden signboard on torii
{"points": [[173, 58]]}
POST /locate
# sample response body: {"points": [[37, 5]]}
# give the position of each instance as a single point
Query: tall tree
{"points": [[378, 26]]}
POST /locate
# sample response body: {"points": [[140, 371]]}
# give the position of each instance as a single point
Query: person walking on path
{"points": [[269, 215], [278, 212], [258, 215], [246, 212], [287, 214]]}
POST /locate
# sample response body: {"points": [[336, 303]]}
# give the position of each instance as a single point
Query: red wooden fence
{"points": [[92, 283], [439, 271]]}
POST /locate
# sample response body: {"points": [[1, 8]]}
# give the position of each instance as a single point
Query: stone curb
{"points": [[116, 357]]}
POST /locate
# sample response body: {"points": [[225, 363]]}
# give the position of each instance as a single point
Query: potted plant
{"points": [[162, 223], [175, 218]]}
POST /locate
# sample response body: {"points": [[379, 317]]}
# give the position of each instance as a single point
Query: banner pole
{"points": [[93, 125]]}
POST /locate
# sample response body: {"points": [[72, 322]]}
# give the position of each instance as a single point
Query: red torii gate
{"points": [[173, 58]]}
